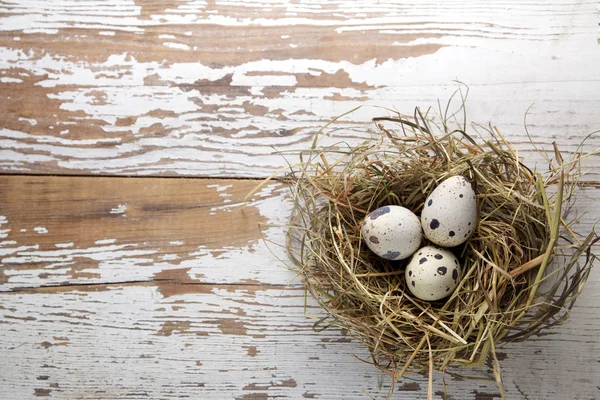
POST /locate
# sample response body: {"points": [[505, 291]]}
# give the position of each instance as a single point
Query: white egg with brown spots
{"points": [[433, 273], [392, 232], [449, 214]]}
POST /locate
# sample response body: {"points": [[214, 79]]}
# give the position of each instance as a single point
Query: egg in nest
{"points": [[392, 232]]}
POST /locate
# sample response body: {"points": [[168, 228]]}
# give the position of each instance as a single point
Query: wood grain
{"points": [[122, 278], [57, 231], [143, 275], [65, 230], [212, 89], [245, 342]]}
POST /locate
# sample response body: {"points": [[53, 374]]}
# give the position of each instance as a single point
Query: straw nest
{"points": [[523, 266]]}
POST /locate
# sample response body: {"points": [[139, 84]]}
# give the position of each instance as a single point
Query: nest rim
{"points": [[402, 332]]}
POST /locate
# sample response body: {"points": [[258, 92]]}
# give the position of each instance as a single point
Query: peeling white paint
{"points": [[6, 79], [31, 121], [98, 253], [105, 241], [130, 262], [16, 135], [119, 209], [144, 323], [177, 46], [40, 230], [512, 54], [39, 30], [218, 187], [14, 161], [8, 251], [191, 148]]}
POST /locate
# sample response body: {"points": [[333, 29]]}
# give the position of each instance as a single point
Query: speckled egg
{"points": [[449, 215], [432, 274], [392, 232]]}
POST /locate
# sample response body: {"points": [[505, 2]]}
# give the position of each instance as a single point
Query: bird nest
{"points": [[523, 266]]}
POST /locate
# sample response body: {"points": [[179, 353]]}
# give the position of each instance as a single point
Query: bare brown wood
{"points": [[67, 230]]}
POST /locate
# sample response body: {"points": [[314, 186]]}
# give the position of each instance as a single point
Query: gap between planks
{"points": [[145, 283], [86, 176], [586, 184]]}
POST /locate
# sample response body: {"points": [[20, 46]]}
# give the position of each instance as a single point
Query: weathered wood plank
{"points": [[157, 304], [210, 89], [67, 230], [184, 299], [92, 230], [245, 342]]}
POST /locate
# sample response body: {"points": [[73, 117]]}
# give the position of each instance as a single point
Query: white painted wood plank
{"points": [[563, 112], [198, 112], [248, 343], [250, 340]]}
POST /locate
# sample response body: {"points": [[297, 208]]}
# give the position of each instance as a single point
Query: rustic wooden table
{"points": [[130, 132]]}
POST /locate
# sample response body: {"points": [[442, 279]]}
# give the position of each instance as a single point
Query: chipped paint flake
{"points": [[40, 230], [31, 121], [6, 79], [219, 188], [177, 46], [119, 209], [8, 251], [105, 241]]}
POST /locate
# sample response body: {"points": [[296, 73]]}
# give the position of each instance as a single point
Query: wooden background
{"points": [[130, 132]]}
